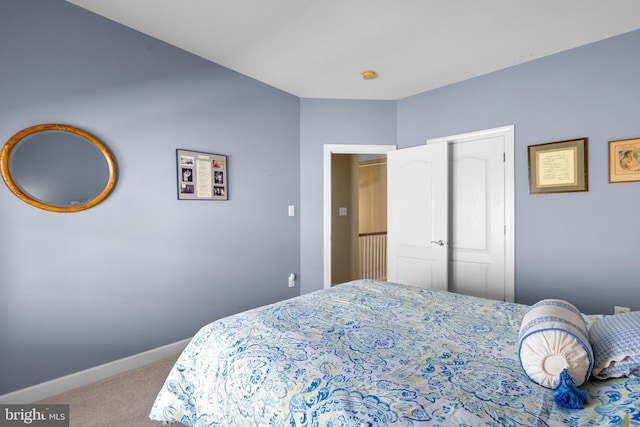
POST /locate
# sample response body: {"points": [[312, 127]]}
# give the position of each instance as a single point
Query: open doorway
{"points": [[343, 254], [372, 217], [359, 217]]}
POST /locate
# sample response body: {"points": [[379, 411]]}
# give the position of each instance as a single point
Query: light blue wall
{"points": [[142, 269], [331, 122], [583, 247]]}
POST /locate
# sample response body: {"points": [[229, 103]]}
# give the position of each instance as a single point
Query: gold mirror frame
{"points": [[15, 189]]}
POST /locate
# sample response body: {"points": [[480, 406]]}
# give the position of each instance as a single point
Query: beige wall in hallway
{"points": [[372, 178], [344, 229]]}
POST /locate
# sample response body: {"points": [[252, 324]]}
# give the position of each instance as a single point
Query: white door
{"points": [[417, 216], [481, 257], [477, 250]]}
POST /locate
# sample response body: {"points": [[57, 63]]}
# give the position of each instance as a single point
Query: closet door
{"points": [[481, 207], [418, 216], [478, 229]]}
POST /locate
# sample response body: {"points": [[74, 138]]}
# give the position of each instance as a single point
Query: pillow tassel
{"points": [[567, 394]]}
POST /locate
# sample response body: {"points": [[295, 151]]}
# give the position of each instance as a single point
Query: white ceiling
{"points": [[318, 49]]}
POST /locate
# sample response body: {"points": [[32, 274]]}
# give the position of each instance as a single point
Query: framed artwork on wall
{"points": [[201, 176], [624, 160], [558, 167]]}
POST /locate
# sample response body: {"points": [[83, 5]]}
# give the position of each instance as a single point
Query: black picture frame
{"points": [[202, 176]]}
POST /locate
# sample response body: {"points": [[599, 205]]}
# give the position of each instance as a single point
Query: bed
{"points": [[371, 353]]}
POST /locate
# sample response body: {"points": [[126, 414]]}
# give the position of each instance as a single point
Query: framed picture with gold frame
{"points": [[624, 160], [558, 167]]}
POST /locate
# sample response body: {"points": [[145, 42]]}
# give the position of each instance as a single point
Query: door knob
{"points": [[438, 242]]}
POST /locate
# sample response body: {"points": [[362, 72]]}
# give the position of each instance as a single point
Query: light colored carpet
{"points": [[123, 400]]}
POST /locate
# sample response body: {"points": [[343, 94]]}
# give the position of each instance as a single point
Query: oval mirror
{"points": [[57, 168]]}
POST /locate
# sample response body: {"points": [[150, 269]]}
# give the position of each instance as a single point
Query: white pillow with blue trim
{"points": [[616, 345], [554, 350]]}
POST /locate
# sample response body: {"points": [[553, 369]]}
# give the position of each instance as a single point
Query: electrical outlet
{"points": [[292, 280], [617, 309]]}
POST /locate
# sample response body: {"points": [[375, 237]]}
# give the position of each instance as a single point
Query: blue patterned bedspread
{"points": [[370, 353]]}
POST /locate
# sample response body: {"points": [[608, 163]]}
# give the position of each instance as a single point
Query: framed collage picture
{"points": [[201, 176]]}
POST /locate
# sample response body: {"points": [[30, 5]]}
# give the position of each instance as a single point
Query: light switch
{"points": [[292, 210], [342, 211]]}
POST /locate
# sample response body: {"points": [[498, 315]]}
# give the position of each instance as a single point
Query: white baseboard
{"points": [[88, 376]]}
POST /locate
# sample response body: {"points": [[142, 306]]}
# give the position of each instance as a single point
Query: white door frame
{"points": [[330, 149], [508, 132]]}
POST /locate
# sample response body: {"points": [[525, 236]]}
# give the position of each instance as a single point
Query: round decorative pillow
{"points": [[553, 339]]}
